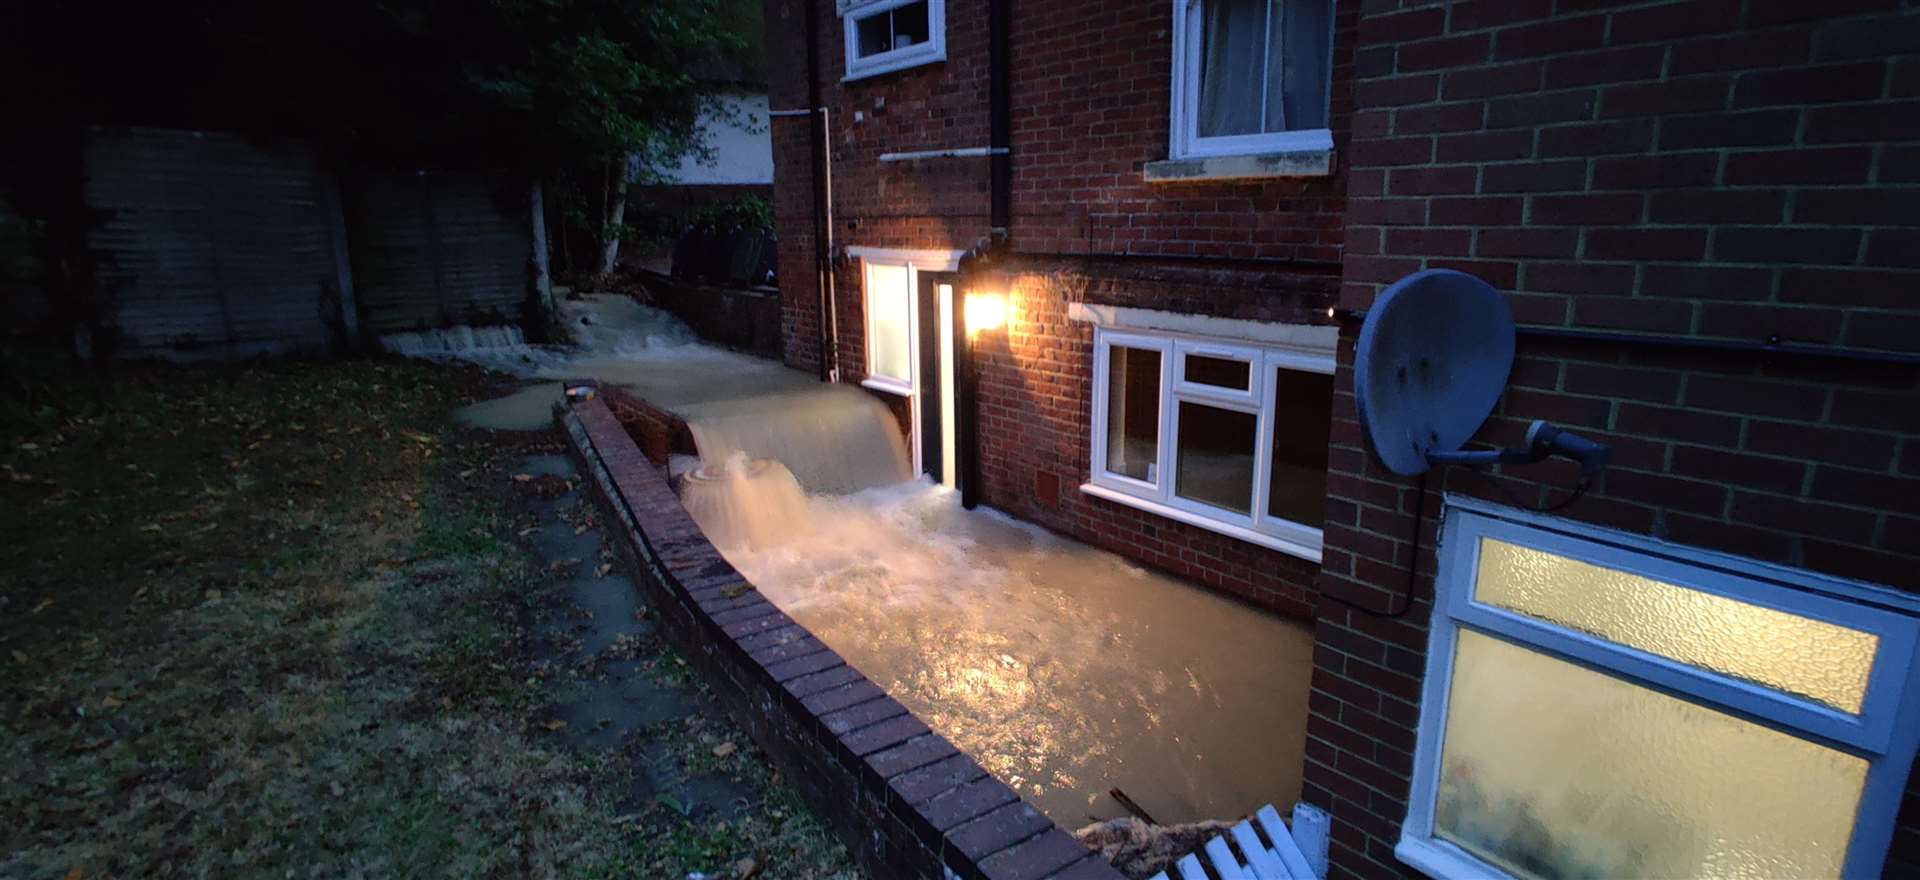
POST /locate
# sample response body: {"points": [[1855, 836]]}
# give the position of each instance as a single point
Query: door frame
{"points": [[941, 268]]}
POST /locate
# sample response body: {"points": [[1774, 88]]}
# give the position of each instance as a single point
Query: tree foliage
{"points": [[544, 87], [611, 80]]}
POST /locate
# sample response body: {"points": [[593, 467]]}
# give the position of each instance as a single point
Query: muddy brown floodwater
{"points": [[1064, 670]]}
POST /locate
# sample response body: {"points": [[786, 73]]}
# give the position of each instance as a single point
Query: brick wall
{"points": [[1036, 407], [1702, 168], [1090, 91], [901, 797], [1091, 88]]}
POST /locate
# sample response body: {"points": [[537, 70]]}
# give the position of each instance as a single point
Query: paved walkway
{"points": [[619, 693]]}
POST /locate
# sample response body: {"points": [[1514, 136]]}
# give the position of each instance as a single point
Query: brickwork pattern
{"points": [[1090, 94], [1036, 406], [1693, 168], [904, 800]]}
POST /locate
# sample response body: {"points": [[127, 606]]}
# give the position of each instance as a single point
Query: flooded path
{"points": [[1064, 670], [617, 341]]}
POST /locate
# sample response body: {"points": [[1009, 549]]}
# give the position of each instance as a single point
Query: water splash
{"points": [[1064, 670], [746, 503], [602, 326], [833, 438], [617, 341]]}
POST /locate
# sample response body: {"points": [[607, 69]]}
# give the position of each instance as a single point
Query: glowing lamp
{"points": [[985, 311]]}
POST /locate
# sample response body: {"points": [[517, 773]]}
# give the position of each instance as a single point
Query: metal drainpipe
{"points": [[999, 218], [832, 315], [822, 222]]}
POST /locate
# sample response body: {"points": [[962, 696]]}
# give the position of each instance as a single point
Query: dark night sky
{"points": [[346, 71]]}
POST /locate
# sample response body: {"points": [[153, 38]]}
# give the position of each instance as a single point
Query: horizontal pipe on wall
{"points": [[958, 153], [1772, 346]]}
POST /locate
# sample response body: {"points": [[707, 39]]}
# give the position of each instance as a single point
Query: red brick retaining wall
{"points": [[901, 796]]}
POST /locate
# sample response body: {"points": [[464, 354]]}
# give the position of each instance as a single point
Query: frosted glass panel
{"points": [[1552, 770], [1811, 658], [889, 290]]}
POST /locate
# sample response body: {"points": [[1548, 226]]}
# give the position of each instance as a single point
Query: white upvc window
{"points": [[1221, 434], [1599, 704], [888, 291], [1251, 77], [888, 35]]}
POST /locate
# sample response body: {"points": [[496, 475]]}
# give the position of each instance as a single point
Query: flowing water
{"points": [[1064, 670], [617, 341]]}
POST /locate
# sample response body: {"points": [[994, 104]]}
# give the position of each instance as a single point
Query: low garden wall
{"points": [[902, 797], [746, 319]]}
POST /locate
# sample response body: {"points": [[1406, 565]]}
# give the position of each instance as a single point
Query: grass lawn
{"points": [[273, 619]]}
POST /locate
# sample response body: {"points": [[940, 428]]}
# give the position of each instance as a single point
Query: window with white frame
{"points": [[889, 307], [1251, 76], [1603, 705], [888, 35], [1225, 435]]}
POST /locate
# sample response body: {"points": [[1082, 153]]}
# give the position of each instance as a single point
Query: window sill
{"points": [[887, 386], [1442, 861], [1311, 553], [883, 66], [1263, 166]]}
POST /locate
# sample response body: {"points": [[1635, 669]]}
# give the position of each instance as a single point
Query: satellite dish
{"points": [[1433, 357]]}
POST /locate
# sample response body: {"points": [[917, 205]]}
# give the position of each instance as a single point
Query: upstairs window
{"points": [[889, 35], [1251, 76]]}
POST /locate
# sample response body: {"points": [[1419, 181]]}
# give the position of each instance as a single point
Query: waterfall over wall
{"points": [[457, 341], [833, 438]]}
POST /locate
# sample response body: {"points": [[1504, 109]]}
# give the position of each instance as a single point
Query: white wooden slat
{"points": [[1265, 865], [1190, 868], [1283, 843], [1224, 863], [1160, 876]]}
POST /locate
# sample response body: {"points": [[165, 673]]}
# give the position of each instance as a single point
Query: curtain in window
{"points": [[1263, 66], [1233, 54], [1301, 65]]}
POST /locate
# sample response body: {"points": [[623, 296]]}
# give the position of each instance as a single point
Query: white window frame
{"points": [[874, 380], [929, 52], [1885, 732], [1185, 141], [1161, 496]]}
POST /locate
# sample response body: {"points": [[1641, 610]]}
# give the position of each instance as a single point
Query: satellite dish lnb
{"points": [[1433, 357], [1432, 360]]}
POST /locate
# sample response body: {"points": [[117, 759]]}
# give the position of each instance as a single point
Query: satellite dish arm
{"points": [[1547, 440], [1543, 441], [1486, 457]]}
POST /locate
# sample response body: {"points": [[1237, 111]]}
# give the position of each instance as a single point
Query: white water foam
{"points": [[1063, 669], [617, 341], [602, 326], [834, 438]]}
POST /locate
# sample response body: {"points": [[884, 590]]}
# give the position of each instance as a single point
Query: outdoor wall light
{"points": [[985, 311]]}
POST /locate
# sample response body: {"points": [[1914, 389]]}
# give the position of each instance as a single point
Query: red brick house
{"points": [[1164, 216]]}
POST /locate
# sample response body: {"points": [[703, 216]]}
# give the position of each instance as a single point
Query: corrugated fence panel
{"points": [[438, 249], [211, 244]]}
